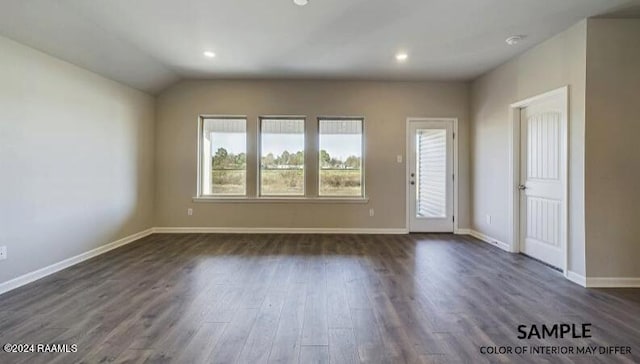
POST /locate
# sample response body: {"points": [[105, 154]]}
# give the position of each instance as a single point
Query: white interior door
{"points": [[430, 176], [542, 174]]}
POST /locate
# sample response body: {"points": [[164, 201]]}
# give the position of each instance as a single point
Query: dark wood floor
{"points": [[309, 298]]}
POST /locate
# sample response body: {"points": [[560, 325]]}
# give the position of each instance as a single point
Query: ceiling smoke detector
{"points": [[515, 39], [301, 2]]}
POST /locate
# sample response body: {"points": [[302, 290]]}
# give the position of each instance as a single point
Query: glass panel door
{"points": [[430, 175]]}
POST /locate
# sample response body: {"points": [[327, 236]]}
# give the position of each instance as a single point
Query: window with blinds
{"points": [[340, 157], [282, 157], [431, 173], [279, 157], [224, 156]]}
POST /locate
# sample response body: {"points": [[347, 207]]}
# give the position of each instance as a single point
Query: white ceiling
{"points": [[150, 44]]}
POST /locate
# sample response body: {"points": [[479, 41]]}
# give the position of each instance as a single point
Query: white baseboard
{"points": [[462, 232], [613, 282], [576, 278], [43, 272], [603, 282], [487, 239], [235, 230]]}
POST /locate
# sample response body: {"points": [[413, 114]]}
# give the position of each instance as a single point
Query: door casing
{"points": [[514, 170], [456, 230]]}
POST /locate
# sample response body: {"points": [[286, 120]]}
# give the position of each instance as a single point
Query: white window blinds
{"points": [[431, 176]]}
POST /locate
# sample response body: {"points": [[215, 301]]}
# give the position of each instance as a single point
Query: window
{"points": [[340, 163], [223, 157], [282, 157]]}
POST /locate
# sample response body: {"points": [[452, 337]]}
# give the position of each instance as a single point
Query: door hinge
{"points": [[453, 176], [454, 135], [454, 219]]}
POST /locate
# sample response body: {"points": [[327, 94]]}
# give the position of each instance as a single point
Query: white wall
{"points": [[554, 63], [76, 160]]}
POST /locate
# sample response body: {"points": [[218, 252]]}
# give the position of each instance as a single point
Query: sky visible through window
{"points": [[340, 146]]}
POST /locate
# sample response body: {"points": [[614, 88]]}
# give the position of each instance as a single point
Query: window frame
{"points": [[259, 194], [199, 186], [252, 192], [363, 139]]}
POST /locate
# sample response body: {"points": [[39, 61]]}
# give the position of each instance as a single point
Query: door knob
{"points": [[413, 183], [522, 187]]}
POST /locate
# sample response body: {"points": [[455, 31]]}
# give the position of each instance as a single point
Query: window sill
{"points": [[303, 200]]}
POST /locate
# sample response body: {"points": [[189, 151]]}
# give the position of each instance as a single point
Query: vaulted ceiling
{"points": [[150, 44]]}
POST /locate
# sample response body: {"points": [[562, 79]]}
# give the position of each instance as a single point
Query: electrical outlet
{"points": [[371, 212], [3, 252], [189, 211], [489, 219], [399, 158]]}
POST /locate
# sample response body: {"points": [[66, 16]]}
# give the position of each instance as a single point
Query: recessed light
{"points": [[515, 39], [301, 2], [401, 57], [209, 54]]}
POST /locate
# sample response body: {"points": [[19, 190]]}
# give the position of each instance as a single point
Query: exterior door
{"points": [[542, 173], [430, 176]]}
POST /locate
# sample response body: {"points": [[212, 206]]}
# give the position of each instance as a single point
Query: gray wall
{"points": [[76, 160], [613, 148], [385, 105], [554, 63]]}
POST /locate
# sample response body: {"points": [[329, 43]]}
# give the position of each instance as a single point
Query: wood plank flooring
{"points": [[228, 298]]}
